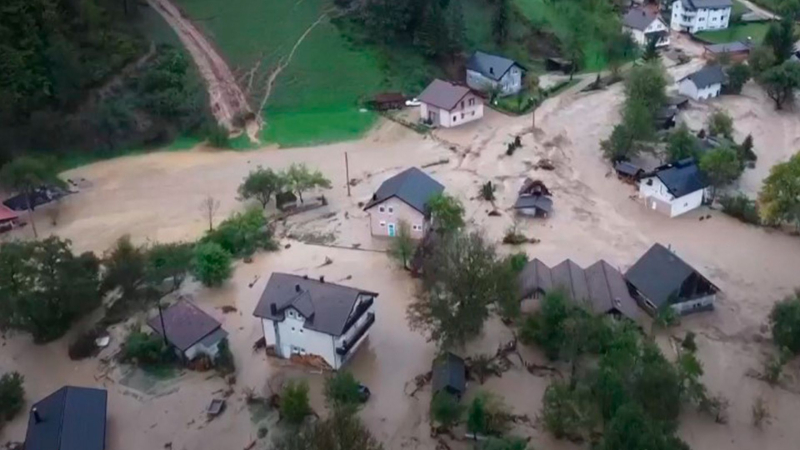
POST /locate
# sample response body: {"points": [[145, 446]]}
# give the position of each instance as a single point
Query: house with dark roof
{"points": [[674, 189], [628, 171], [71, 418], [534, 199], [661, 279], [704, 84], [312, 317], [736, 51], [697, 15], [444, 104], [449, 374], [644, 25], [486, 72], [403, 198], [600, 287], [190, 331]]}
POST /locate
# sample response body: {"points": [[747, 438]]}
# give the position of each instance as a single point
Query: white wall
{"points": [[700, 304], [200, 349], [352, 331], [393, 212], [679, 205], [688, 88], [511, 83], [699, 20], [294, 338], [469, 109], [687, 203]]}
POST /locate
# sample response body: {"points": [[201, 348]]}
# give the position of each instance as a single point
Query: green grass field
{"points": [[741, 32], [316, 97]]}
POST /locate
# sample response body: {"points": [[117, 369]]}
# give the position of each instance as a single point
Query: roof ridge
{"points": [[63, 416]]}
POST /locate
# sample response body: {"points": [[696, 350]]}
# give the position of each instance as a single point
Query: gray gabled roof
{"points": [[491, 66], [569, 276], [659, 274], [639, 18], [540, 202], [443, 95], [71, 418], [706, 76], [325, 306], [536, 276], [682, 177], [449, 374], [609, 292], [706, 4], [412, 186], [186, 324]]}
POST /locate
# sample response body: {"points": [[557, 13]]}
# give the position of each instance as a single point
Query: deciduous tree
{"points": [[125, 266], [500, 21], [212, 264], [294, 404], [302, 179], [12, 396], [447, 213], [720, 123], [761, 59], [785, 321], [681, 144], [781, 81], [445, 409], [781, 37], [169, 261], [738, 75], [779, 199], [721, 166], [261, 184], [403, 245], [342, 390]]}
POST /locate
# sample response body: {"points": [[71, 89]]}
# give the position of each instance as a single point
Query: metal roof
{"points": [[186, 324], [609, 292], [707, 76], [490, 66], [570, 276], [681, 178], [449, 373], [659, 274], [443, 94], [412, 186], [706, 4], [541, 202], [627, 168], [325, 306], [71, 418], [536, 276], [639, 18]]}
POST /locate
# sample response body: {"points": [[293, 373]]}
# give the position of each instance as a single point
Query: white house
{"points": [[699, 15], [661, 279], [312, 317], [403, 198], [674, 189], [644, 25], [486, 72], [189, 330], [444, 104], [704, 84]]}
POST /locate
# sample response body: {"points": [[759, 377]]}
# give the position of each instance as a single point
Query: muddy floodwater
{"points": [[156, 197]]}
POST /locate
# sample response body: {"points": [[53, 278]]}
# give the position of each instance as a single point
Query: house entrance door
{"points": [[391, 230]]}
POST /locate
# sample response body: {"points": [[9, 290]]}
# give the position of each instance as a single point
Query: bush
{"points": [[224, 359], [517, 261], [445, 409], [785, 321], [243, 234], [12, 396], [218, 136], [294, 402], [212, 264], [689, 343], [342, 389], [566, 412], [487, 191], [144, 349], [741, 207]]}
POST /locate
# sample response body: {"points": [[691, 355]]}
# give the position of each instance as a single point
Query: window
{"points": [[383, 223], [301, 331], [291, 314], [292, 328], [381, 208], [473, 113], [462, 115], [455, 118], [471, 102], [391, 210], [416, 227], [462, 105]]}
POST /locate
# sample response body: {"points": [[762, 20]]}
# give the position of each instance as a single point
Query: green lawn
{"points": [[737, 33], [316, 97]]}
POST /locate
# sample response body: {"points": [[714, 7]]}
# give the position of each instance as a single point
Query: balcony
{"points": [[350, 341]]}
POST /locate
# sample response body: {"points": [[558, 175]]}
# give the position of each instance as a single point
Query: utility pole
{"points": [[347, 172], [163, 328]]}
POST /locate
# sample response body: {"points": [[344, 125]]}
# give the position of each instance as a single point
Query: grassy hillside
{"points": [[315, 98]]}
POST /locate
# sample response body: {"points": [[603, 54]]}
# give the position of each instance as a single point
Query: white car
{"points": [[413, 102]]}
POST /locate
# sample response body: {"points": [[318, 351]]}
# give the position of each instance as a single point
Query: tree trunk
{"points": [[30, 215], [300, 196], [533, 118]]}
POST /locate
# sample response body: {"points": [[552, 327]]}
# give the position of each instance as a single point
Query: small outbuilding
{"points": [[627, 171], [449, 375], [444, 104], [660, 278], [558, 64], [534, 199], [71, 418], [704, 84], [189, 330], [388, 100]]}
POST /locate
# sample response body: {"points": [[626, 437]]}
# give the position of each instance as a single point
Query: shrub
{"points": [[144, 349], [517, 261], [741, 207], [565, 412], [243, 234], [689, 343], [785, 321], [294, 402], [445, 409], [487, 191], [218, 136], [212, 264], [224, 359], [342, 389], [12, 396]]}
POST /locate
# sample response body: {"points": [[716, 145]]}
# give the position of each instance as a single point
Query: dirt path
{"points": [[757, 9], [226, 97]]}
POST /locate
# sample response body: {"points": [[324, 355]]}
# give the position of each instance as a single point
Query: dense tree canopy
{"points": [[681, 144], [781, 81], [779, 198], [785, 321]]}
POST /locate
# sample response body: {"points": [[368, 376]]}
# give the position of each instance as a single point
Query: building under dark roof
{"points": [[539, 205], [449, 375], [491, 66], [628, 170], [660, 277], [325, 306], [639, 18], [71, 418], [600, 287], [413, 186], [187, 325], [706, 76], [681, 178], [694, 5], [728, 47], [443, 94]]}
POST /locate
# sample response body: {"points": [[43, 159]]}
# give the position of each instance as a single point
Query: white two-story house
{"points": [[704, 84], [403, 198], [486, 72], [645, 25], [698, 15], [305, 316], [444, 104], [674, 189]]}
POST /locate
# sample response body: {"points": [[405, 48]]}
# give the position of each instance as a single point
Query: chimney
{"points": [[322, 278], [273, 309], [305, 277], [297, 288], [491, 70], [36, 417]]}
